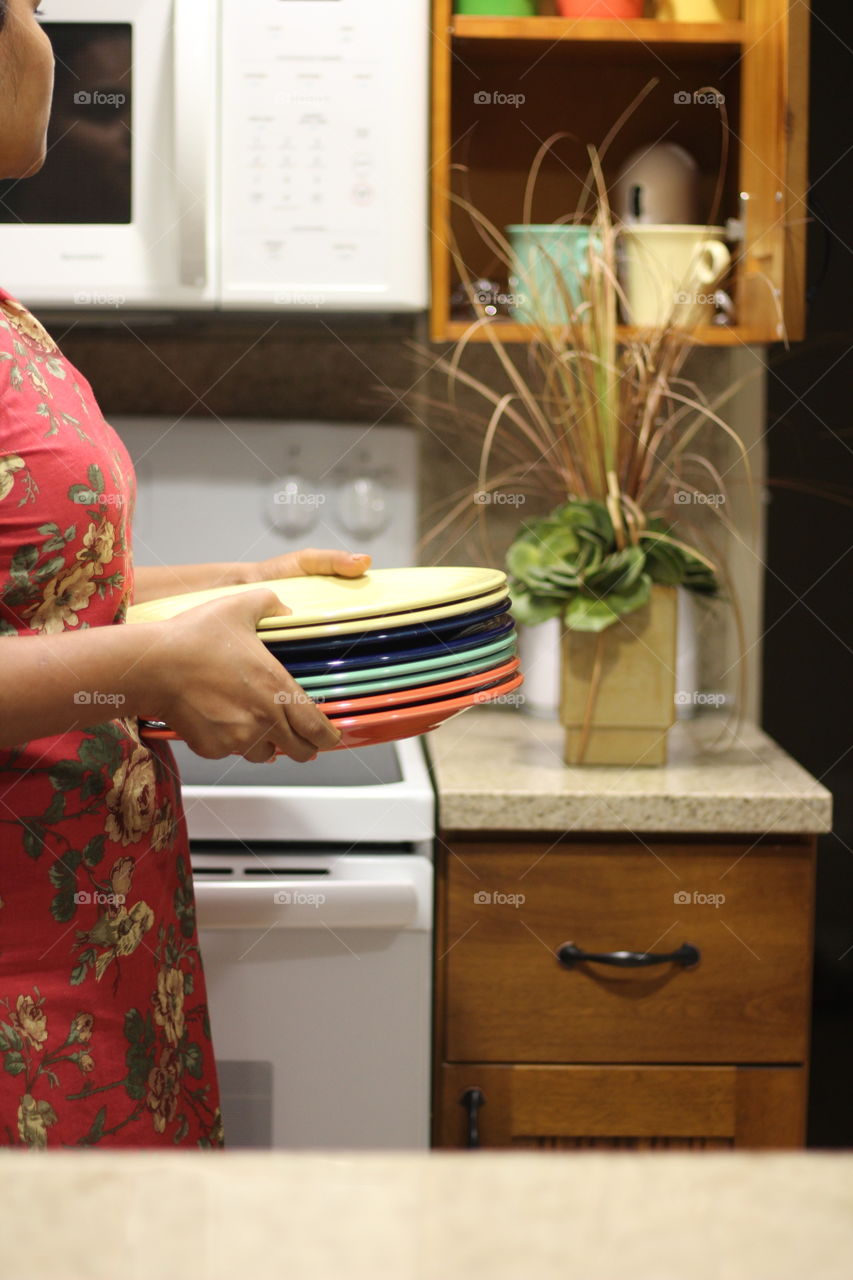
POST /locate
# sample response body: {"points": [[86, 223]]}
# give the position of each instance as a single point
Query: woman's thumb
{"points": [[266, 604]]}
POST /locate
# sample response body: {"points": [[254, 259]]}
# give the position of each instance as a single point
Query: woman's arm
{"points": [[54, 684], [154, 582]]}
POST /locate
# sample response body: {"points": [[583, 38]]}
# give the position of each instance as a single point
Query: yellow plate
{"points": [[321, 599], [413, 618]]}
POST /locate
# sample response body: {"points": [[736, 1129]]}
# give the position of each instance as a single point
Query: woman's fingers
{"points": [[297, 564]]}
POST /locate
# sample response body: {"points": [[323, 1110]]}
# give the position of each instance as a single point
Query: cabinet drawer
{"points": [[509, 909], [620, 1108]]}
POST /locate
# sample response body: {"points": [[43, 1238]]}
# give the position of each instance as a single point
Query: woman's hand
{"points": [[213, 682], [299, 564]]}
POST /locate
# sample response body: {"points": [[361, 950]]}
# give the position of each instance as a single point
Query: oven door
{"points": [[319, 983], [120, 215]]}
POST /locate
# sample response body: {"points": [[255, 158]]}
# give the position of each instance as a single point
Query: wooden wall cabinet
{"points": [[531, 1053], [579, 76]]}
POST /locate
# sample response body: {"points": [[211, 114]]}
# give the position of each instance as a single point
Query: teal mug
{"points": [[543, 254], [498, 8]]}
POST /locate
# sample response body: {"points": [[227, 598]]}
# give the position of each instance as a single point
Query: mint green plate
{"points": [[384, 682]]}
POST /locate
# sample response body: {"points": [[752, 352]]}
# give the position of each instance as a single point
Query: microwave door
{"points": [[119, 216], [323, 174]]}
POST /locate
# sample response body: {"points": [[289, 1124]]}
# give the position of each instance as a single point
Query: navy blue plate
{"points": [[426, 633], [354, 662]]}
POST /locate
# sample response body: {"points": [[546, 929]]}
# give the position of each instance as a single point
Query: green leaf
{"points": [[63, 907], [93, 786], [50, 568], [14, 1063], [34, 838], [24, 560], [193, 1061], [95, 478], [10, 1037], [618, 572], [61, 876], [585, 614], [66, 775], [49, 528], [78, 973], [94, 851]]}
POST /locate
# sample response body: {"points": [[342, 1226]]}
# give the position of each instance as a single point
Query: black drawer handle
{"points": [[472, 1100], [687, 956]]}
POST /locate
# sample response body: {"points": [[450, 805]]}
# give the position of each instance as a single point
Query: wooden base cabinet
{"points": [[623, 993], [620, 1108]]}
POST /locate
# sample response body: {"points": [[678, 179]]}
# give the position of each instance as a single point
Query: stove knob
{"points": [[363, 507], [294, 505]]}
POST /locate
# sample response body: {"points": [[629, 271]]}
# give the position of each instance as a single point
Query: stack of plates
{"points": [[389, 655]]}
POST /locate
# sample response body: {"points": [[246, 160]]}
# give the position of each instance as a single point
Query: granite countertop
{"points": [[499, 770], [420, 1216]]}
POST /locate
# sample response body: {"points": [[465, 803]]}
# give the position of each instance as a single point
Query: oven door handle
{"points": [[300, 904], [193, 50]]}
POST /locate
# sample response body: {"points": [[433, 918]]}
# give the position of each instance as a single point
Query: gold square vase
{"points": [[617, 696]]}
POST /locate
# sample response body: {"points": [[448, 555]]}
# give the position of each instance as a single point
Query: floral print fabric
{"points": [[104, 1031]]}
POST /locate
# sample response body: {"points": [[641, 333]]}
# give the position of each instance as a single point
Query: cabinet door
{"points": [[508, 910], [774, 165], [503, 85], [620, 1108]]}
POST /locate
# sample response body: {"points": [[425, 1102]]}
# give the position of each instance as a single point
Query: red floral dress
{"points": [[104, 1031]]}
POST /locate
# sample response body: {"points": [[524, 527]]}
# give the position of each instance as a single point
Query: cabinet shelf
{"points": [[640, 32], [511, 331]]}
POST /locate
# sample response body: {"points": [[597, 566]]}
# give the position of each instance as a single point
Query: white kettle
{"points": [[658, 184]]}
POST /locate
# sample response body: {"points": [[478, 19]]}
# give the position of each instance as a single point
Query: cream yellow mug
{"points": [[669, 273], [696, 10]]}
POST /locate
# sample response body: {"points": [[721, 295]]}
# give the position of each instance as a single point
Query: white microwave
{"points": [[237, 154]]}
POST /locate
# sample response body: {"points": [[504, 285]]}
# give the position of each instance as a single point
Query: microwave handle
{"points": [[193, 54]]}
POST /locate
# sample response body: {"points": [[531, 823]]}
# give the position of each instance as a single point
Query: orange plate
{"points": [[367, 730], [409, 722]]}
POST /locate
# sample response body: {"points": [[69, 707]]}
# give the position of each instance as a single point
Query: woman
{"points": [[104, 1033]]}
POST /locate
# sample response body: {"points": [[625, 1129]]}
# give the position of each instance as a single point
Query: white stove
{"points": [[314, 883]]}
